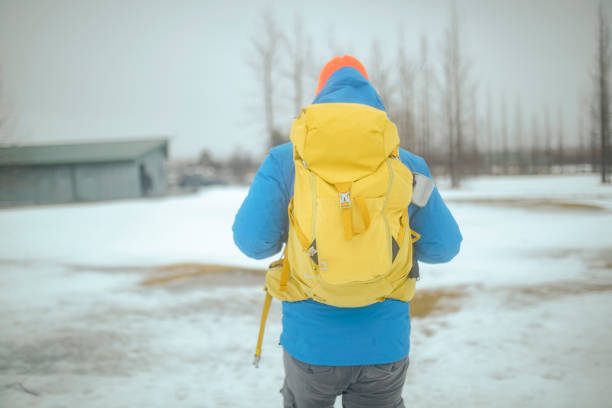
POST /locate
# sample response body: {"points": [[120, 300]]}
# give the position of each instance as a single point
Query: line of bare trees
{"points": [[436, 108], [601, 103]]}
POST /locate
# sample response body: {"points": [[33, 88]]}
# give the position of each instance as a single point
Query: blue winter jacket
{"points": [[314, 332]]}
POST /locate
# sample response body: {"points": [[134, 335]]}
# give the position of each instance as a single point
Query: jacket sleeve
{"points": [[260, 226], [440, 236]]}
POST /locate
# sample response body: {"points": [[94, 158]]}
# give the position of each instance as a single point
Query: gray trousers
{"points": [[316, 386]]}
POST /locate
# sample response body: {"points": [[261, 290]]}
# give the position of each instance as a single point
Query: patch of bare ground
{"points": [[70, 350], [17, 262], [440, 301], [427, 302], [186, 276], [183, 275], [599, 259], [206, 273], [551, 291], [527, 203]]}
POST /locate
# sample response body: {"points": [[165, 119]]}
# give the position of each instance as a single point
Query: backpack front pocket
{"points": [[364, 257]]}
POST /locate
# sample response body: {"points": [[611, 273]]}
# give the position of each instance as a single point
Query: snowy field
{"points": [[147, 303]]}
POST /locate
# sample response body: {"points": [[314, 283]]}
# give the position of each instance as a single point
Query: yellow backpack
{"points": [[349, 242]]}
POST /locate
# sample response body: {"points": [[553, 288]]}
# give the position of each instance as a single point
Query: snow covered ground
{"points": [[116, 304]]}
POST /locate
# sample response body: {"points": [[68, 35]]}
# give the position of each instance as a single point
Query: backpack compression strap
{"points": [[285, 273], [414, 236], [300, 234], [346, 205]]}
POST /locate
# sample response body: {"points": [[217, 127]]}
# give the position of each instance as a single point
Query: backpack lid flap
{"points": [[343, 142]]}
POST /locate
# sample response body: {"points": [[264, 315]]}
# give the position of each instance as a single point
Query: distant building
{"points": [[62, 173]]}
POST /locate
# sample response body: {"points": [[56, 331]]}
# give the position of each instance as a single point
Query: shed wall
{"points": [[105, 181], [35, 185], [23, 185]]}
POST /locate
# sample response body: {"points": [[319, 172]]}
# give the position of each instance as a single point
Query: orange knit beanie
{"points": [[335, 64]]}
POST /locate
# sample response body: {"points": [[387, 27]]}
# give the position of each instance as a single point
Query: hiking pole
{"points": [[262, 326]]}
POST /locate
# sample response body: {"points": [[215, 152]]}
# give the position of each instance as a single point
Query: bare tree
{"points": [[602, 86], [405, 109], [475, 128], [518, 135], [299, 48], [535, 144], [547, 141], [427, 83], [206, 159], [455, 89], [379, 73], [595, 157], [489, 132], [582, 136], [266, 66], [560, 145], [504, 135]]}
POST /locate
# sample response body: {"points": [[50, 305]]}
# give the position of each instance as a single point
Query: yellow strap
{"points": [[365, 214], [403, 222], [262, 327], [347, 220], [346, 209], [300, 234], [285, 273], [414, 236], [276, 263]]}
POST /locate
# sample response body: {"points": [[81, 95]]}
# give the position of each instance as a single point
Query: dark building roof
{"points": [[87, 152]]}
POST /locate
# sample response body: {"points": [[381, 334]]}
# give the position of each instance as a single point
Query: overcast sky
{"points": [[82, 70]]}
